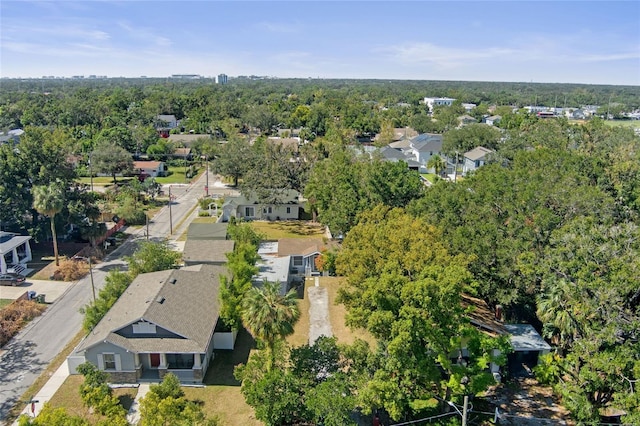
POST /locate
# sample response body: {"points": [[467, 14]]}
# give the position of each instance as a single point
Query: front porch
{"points": [[15, 253], [152, 367]]}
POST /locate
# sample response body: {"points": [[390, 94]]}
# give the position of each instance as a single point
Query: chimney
{"points": [[499, 312]]}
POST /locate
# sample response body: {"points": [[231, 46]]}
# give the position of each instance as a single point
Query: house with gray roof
{"points": [[207, 252], [475, 158], [241, 207], [423, 147], [207, 231], [165, 322], [394, 155]]}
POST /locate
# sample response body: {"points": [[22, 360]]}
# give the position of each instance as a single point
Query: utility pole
{"points": [[93, 287], [465, 411], [91, 169], [170, 216], [206, 188], [455, 169], [147, 217]]}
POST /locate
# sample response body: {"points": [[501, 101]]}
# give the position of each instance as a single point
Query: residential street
{"points": [[29, 353]]}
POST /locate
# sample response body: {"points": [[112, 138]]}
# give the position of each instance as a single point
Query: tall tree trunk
{"points": [[272, 355], [55, 240]]}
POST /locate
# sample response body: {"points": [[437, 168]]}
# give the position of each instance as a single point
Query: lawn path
{"points": [[319, 324]]}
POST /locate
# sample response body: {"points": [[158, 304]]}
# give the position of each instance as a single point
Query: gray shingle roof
{"points": [[427, 142], [190, 309], [207, 231], [288, 197], [477, 153], [207, 251]]}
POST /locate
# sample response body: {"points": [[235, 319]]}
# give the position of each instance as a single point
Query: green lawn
{"points": [[221, 397], [431, 177], [177, 176], [5, 302], [289, 229], [68, 396], [104, 180], [634, 124]]}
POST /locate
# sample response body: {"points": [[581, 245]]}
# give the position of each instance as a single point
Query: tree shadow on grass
{"points": [[220, 371], [126, 401], [300, 228]]}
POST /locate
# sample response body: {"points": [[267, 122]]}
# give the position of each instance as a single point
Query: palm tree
{"points": [[557, 309], [48, 200], [436, 163], [270, 316]]}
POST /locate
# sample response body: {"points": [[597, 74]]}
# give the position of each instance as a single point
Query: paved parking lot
{"points": [[51, 289]]}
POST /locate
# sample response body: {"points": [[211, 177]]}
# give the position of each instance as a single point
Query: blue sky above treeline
{"points": [[544, 41]]}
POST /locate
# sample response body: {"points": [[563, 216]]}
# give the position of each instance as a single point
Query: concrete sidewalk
{"points": [[133, 416], [319, 324], [61, 374], [47, 391]]}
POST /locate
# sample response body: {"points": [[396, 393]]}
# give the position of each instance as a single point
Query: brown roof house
{"points": [[165, 322], [149, 168]]}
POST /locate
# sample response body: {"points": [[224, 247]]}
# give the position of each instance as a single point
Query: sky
{"points": [[594, 42]]}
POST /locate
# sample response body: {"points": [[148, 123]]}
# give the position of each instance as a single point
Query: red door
{"points": [[155, 359]]}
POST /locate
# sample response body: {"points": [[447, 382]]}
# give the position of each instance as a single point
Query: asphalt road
{"points": [[29, 353]]}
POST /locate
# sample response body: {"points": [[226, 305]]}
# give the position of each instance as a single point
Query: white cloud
{"points": [[145, 35], [446, 57], [280, 27]]}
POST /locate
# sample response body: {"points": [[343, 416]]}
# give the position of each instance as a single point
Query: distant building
{"points": [[431, 102], [222, 79], [186, 76], [532, 109]]}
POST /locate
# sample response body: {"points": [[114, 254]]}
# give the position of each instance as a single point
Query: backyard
{"points": [[274, 231]]}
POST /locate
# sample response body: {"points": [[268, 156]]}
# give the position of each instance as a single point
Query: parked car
{"points": [[11, 279]]}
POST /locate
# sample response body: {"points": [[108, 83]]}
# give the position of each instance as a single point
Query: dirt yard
{"points": [[527, 403]]}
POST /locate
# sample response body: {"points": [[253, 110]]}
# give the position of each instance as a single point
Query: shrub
{"points": [[69, 270], [132, 213], [14, 316]]}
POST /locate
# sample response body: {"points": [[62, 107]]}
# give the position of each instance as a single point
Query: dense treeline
{"points": [[548, 229]]}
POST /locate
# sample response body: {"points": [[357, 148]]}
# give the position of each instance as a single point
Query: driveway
{"points": [[51, 289]]}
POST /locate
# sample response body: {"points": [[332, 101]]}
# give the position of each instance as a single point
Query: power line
{"points": [[423, 420], [559, 421]]}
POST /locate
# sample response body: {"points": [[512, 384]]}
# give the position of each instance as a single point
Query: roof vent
{"points": [[173, 280], [160, 300]]}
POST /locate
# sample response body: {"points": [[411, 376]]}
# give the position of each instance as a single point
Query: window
{"points": [[248, 212], [109, 361], [297, 260], [144, 327], [288, 209], [180, 361], [267, 210]]}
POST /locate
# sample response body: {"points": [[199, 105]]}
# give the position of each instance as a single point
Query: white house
{"points": [[15, 252], [425, 146], [431, 102], [245, 208], [166, 121], [493, 120], [475, 158]]}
